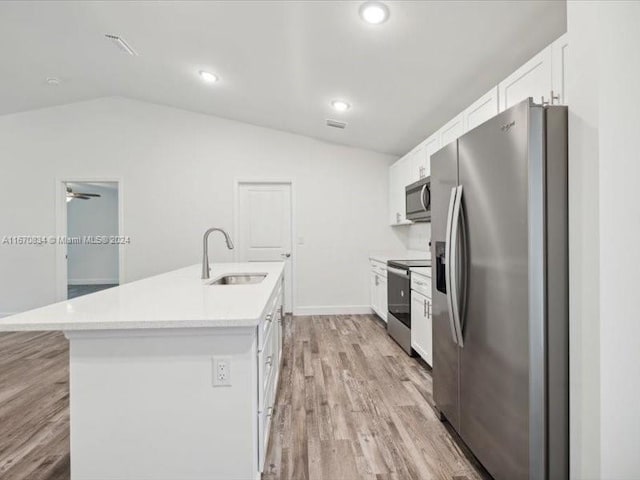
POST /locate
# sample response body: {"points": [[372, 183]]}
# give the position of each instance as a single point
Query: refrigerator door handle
{"points": [[447, 262], [453, 264]]}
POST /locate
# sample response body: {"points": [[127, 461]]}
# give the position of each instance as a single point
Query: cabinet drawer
{"points": [[269, 320], [264, 428], [421, 284], [266, 364], [264, 330], [379, 268]]}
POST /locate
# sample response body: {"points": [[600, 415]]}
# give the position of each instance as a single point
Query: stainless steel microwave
{"points": [[419, 200]]}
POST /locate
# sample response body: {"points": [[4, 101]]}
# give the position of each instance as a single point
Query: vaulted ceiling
{"points": [[280, 62]]}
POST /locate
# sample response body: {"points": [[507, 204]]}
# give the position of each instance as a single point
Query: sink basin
{"points": [[240, 279]]}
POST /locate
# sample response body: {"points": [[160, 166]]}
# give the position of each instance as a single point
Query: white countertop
{"points": [[400, 255], [177, 299], [426, 271]]}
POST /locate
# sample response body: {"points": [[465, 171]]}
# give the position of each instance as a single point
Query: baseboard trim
{"points": [[333, 310], [92, 281]]}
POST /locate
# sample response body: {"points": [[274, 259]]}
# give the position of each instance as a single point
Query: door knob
{"points": [[285, 255]]}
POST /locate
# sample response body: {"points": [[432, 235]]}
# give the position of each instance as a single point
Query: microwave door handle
{"points": [[447, 262], [424, 187]]}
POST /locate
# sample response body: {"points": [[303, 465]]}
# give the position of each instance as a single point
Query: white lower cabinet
{"points": [[270, 340], [382, 298], [421, 323], [378, 289]]}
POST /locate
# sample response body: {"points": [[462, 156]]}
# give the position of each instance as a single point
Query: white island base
{"points": [[143, 403]]}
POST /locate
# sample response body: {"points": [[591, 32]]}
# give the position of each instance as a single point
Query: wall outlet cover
{"points": [[221, 371]]}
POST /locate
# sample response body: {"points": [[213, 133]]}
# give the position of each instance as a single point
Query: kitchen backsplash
{"points": [[415, 237], [418, 236]]}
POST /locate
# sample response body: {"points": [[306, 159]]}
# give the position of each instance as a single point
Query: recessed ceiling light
{"points": [[53, 81], [208, 76], [374, 12], [340, 105]]}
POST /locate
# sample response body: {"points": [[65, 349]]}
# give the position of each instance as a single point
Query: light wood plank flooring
{"points": [[34, 406], [352, 405]]}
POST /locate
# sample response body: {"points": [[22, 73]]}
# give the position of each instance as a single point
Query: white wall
{"points": [[619, 124], [584, 276], [604, 72], [177, 170], [93, 263]]}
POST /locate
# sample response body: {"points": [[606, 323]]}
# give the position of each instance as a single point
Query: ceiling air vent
{"points": [[121, 44], [335, 124]]}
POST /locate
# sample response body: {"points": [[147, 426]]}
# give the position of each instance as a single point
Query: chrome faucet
{"points": [[205, 249]]}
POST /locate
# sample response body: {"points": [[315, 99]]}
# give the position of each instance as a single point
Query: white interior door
{"points": [[265, 228]]}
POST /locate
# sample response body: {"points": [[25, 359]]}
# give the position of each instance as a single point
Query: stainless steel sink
{"points": [[240, 279]]}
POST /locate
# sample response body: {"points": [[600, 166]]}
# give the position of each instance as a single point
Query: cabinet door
{"points": [[452, 130], [399, 178], [416, 165], [394, 182], [430, 146], [373, 288], [429, 335], [533, 79], [421, 336], [559, 55], [382, 297], [481, 110]]}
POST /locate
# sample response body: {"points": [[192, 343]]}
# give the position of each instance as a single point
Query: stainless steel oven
{"points": [[418, 200], [399, 300]]}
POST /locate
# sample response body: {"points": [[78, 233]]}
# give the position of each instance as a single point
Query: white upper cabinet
{"points": [[481, 110], [400, 175], [416, 164], [542, 78], [533, 79], [452, 130], [421, 157], [559, 53], [430, 146]]}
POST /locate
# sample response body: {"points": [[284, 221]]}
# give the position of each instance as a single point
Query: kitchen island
{"points": [[171, 377]]}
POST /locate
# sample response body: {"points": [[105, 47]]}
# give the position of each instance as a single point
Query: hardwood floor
{"points": [[352, 405], [34, 406]]}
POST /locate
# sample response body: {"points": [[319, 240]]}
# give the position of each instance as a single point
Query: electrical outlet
{"points": [[221, 371]]}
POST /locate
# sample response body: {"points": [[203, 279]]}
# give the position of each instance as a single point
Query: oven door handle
{"points": [[397, 271], [448, 251]]}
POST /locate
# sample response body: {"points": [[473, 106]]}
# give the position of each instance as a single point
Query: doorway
{"points": [[88, 237], [264, 227]]}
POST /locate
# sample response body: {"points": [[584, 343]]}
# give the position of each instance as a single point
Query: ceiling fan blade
{"points": [[89, 194], [81, 197]]}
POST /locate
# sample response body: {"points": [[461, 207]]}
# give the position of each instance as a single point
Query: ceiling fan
{"points": [[83, 196]]}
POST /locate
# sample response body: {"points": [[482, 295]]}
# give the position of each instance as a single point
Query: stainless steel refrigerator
{"points": [[500, 295]]}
